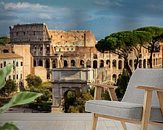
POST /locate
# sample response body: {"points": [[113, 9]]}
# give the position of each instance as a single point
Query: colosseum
{"points": [[72, 49]]}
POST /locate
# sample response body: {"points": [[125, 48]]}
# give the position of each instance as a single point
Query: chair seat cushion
{"points": [[125, 110]]}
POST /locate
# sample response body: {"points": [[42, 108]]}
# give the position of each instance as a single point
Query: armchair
{"points": [[142, 103]]}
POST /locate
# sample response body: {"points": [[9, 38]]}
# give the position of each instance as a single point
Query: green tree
{"points": [[4, 40], [142, 39], [44, 102], [122, 44], [156, 36], [33, 80], [9, 88], [75, 102], [122, 83]]}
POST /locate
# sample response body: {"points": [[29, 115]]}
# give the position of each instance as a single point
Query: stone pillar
{"points": [[37, 62], [50, 62], [43, 63], [133, 66], [43, 49], [37, 50], [56, 98], [91, 63], [69, 63], [117, 63]]}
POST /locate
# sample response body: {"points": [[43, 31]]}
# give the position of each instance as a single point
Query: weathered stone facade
{"points": [[75, 48]]}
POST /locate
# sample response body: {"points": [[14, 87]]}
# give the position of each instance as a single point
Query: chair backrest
{"points": [[143, 77]]}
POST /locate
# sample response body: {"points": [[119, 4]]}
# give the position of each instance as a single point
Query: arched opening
{"points": [[120, 64], [54, 64], [5, 51], [94, 56], [108, 63], [114, 63], [114, 78], [73, 63], [130, 63], [95, 64], [135, 65], [119, 75], [144, 63], [101, 63], [140, 63], [47, 63], [69, 100], [65, 63], [154, 63], [34, 63], [40, 63], [82, 63], [88, 64]]}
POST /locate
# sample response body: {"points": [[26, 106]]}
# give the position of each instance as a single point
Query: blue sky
{"points": [[102, 17]]}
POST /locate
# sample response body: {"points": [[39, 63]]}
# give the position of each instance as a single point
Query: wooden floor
{"points": [[58, 121]]}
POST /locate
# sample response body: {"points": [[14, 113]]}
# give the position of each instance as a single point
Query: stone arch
{"points": [[95, 64], [114, 78], [88, 64], [101, 63], [108, 63], [114, 63], [120, 64], [67, 100], [72, 63], [82, 63], [40, 63], [47, 63], [65, 63]]}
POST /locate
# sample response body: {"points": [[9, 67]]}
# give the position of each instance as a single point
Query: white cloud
{"points": [[44, 16], [22, 5], [33, 11], [108, 2]]}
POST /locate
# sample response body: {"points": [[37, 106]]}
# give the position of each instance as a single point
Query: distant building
{"points": [[17, 62]]}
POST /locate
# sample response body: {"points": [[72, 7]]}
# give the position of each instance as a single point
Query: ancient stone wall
{"points": [[29, 33], [81, 38]]}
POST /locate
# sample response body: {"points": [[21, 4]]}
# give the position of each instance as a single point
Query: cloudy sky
{"points": [[102, 17]]}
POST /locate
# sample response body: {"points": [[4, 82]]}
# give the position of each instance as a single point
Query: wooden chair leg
{"points": [[94, 122], [124, 125], [146, 110]]}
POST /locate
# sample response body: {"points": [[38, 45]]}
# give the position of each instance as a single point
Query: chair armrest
{"points": [[109, 88], [147, 88], [103, 85]]}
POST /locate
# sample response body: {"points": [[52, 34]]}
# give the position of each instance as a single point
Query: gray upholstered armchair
{"points": [[141, 104]]}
